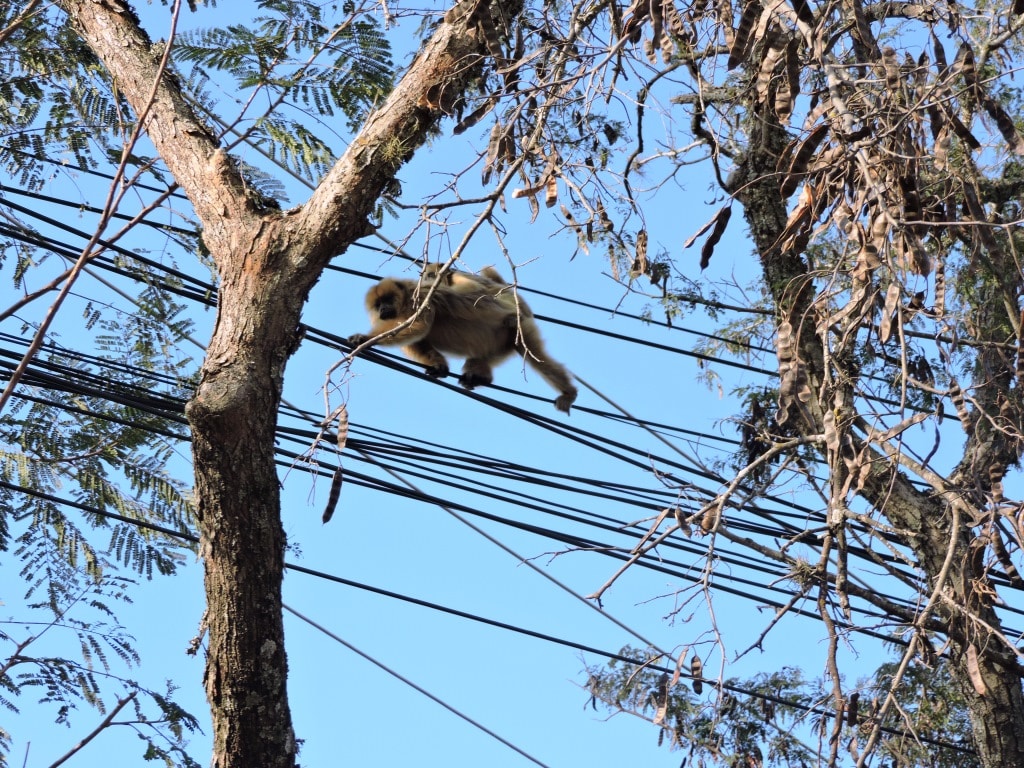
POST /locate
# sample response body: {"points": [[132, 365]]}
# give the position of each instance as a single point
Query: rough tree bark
{"points": [[938, 524], [267, 262]]}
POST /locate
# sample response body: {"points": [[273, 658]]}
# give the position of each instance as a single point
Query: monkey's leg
{"points": [[435, 363], [475, 373]]}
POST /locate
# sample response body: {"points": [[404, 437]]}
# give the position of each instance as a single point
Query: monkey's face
{"points": [[386, 307], [387, 300]]}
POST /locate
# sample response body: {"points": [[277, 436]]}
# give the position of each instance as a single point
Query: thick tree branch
{"points": [[184, 142], [449, 62]]}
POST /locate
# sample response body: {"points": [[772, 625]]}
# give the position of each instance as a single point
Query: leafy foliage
{"points": [[86, 617], [782, 719], [54, 98], [348, 68], [68, 430], [85, 447]]}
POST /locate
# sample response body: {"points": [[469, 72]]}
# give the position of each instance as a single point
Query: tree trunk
{"points": [[233, 416], [267, 264]]}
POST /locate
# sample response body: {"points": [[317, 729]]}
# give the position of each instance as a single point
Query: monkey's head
{"points": [[387, 299], [432, 273]]}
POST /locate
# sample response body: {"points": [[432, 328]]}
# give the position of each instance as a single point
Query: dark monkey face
{"points": [[387, 307]]}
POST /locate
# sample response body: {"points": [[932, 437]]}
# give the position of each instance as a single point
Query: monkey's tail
{"points": [[557, 376]]}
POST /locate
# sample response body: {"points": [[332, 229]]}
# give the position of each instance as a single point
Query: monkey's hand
{"points": [[357, 339]]}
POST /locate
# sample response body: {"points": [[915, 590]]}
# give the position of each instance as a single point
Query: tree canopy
{"points": [[869, 151]]}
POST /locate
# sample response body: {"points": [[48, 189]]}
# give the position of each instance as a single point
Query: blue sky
{"points": [[527, 690]]}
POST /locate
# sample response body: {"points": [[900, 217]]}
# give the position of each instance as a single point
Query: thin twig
{"points": [[121, 703]]}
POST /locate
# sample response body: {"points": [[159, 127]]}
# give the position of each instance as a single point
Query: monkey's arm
{"points": [[410, 334], [419, 350]]}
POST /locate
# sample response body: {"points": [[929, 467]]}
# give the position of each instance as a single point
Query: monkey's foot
{"points": [[565, 400], [472, 380], [356, 339], [436, 371]]}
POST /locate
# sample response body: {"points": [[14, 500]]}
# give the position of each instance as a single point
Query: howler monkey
{"points": [[466, 318]]}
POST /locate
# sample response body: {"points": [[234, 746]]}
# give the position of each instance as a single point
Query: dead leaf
{"points": [[801, 157], [787, 92], [963, 131], [693, 238], [828, 422], [743, 37], [974, 671], [1005, 125], [551, 194], [332, 497], [721, 221], [913, 255], [673, 19], [797, 232], [785, 344], [475, 116], [772, 55], [697, 672], [341, 439], [500, 149], [866, 264], [892, 298], [520, 192], [963, 64], [661, 699], [679, 666], [485, 22], [903, 426]]}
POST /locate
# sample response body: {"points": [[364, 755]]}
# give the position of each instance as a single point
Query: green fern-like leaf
{"points": [[294, 146]]}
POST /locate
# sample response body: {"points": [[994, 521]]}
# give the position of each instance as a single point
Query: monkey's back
{"points": [[471, 325]]}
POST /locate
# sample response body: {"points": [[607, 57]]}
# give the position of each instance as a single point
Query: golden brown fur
{"points": [[487, 279], [468, 319]]}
